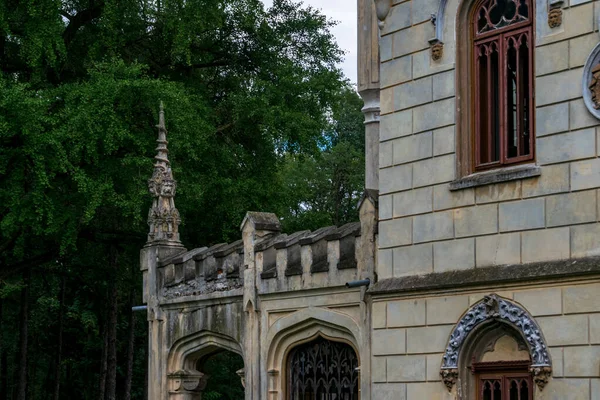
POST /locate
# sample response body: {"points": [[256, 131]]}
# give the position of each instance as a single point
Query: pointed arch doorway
{"points": [[322, 369]]}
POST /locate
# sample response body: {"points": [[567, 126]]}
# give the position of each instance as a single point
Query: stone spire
{"points": [[163, 217]]}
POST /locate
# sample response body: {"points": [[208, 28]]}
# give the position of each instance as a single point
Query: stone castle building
{"points": [[474, 272]]}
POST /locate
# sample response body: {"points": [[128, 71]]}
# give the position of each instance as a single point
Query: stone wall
{"points": [[424, 226], [410, 335]]}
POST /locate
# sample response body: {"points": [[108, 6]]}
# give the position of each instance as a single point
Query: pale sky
{"points": [[344, 12]]}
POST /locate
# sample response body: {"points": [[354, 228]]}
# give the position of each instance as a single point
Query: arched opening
{"points": [[495, 365], [496, 352], [206, 365], [322, 369], [224, 372]]}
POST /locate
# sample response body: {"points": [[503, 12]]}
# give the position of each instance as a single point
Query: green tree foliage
{"points": [[259, 117]]}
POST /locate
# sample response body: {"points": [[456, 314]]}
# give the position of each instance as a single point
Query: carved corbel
{"points": [[185, 381], [382, 8], [242, 374], [437, 49], [555, 13], [541, 375], [449, 377]]}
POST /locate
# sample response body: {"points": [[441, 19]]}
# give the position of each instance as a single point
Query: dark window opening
{"points": [[323, 370]]}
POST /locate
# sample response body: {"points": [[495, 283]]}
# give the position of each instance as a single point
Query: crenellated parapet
{"points": [[301, 260]]}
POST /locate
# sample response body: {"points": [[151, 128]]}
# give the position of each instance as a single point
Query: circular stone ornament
{"points": [[591, 82]]}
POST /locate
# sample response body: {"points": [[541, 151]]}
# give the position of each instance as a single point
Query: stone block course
{"points": [[395, 125], [498, 192], [434, 115], [581, 298], [444, 199], [423, 65], [477, 220], [406, 368], [571, 208], [423, 11], [379, 315], [386, 100], [540, 302], [454, 255], [413, 260], [443, 141], [585, 241], [412, 39], [432, 171], [378, 369], [389, 391], [579, 116], [580, 48], [595, 328], [502, 249], [556, 353], [551, 119], [389, 341], [551, 58], [396, 71], [585, 174], [583, 361], [386, 154], [545, 245], [429, 391], [446, 310], [396, 232], [565, 85], [395, 179], [564, 330], [443, 85], [435, 226], [521, 215], [398, 18], [568, 389], [554, 179], [413, 93], [406, 313], [434, 362], [595, 389], [385, 207], [384, 263], [429, 339], [385, 48], [412, 202], [412, 148], [567, 146]]}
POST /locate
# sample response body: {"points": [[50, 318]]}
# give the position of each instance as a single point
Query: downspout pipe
{"points": [[355, 284]]}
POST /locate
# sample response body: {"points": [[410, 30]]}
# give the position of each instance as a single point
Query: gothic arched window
{"points": [[323, 370], [502, 62]]}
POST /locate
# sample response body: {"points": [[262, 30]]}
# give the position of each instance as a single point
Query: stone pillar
{"points": [[163, 242], [255, 226], [368, 87]]}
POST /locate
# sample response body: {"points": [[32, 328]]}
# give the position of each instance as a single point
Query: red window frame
{"points": [[504, 372], [491, 92]]}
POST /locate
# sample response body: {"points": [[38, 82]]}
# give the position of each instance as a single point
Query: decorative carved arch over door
{"points": [[494, 308]]}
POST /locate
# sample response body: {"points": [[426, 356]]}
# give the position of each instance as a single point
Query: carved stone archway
{"points": [[185, 382], [494, 308], [298, 328]]}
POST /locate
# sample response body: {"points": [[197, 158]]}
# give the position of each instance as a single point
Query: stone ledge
{"points": [[489, 275], [496, 176]]}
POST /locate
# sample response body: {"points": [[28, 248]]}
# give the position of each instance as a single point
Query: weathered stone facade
{"points": [[516, 250]]}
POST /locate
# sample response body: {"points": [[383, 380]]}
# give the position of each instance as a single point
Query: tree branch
{"points": [[80, 19]]}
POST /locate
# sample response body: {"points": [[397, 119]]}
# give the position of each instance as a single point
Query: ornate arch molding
{"points": [[301, 327], [494, 308], [183, 377]]}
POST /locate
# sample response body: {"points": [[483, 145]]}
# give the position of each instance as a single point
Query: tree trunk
{"points": [[57, 366], [4, 377], [2, 362], [102, 393], [23, 332], [113, 313]]}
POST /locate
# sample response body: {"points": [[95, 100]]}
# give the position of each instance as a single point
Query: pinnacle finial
{"points": [[163, 217]]}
